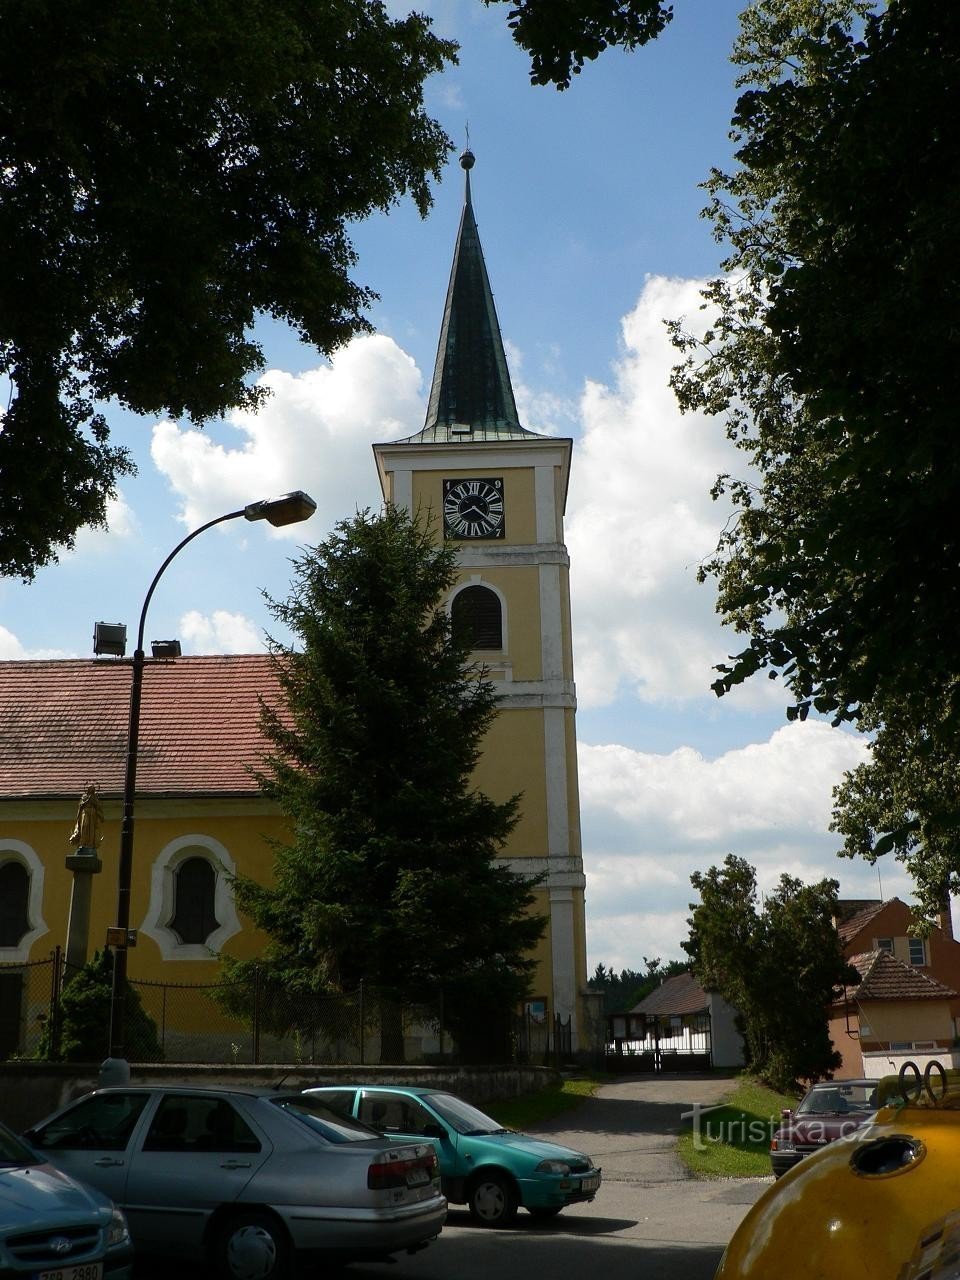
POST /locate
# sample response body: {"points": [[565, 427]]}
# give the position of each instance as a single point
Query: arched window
{"points": [[194, 917], [14, 897], [476, 613]]}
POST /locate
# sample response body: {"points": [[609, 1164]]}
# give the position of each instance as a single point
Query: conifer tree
{"points": [[390, 875]]}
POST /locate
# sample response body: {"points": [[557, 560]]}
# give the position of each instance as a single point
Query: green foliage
{"points": [[779, 964], [834, 359], [172, 170], [390, 877], [623, 990], [84, 1019], [733, 1140], [532, 1109], [560, 35]]}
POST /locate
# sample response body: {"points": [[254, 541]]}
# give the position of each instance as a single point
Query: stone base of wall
{"points": [[30, 1091]]}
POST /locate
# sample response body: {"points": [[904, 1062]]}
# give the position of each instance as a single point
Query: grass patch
{"points": [[733, 1140], [531, 1109]]}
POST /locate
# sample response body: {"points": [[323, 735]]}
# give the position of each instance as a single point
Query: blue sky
{"points": [[588, 207]]}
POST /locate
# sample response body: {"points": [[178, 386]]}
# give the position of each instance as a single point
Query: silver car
{"points": [[246, 1179], [51, 1228]]}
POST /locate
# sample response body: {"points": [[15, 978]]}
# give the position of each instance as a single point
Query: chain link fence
{"points": [[255, 1023], [217, 1023]]}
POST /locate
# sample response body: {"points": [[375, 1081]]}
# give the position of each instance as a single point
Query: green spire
{"points": [[471, 397]]}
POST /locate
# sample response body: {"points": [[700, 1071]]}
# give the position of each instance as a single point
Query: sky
{"points": [[588, 204]]}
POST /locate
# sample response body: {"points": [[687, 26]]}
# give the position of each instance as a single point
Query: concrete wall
{"points": [[31, 1091]]}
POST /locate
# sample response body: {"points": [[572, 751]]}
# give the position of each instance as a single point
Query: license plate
{"points": [[417, 1177], [80, 1271], [590, 1182]]}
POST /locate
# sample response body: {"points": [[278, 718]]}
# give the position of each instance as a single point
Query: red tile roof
{"points": [[884, 977], [679, 994], [857, 916], [64, 723]]}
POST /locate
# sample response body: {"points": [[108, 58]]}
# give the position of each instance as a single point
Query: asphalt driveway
{"points": [[630, 1128]]}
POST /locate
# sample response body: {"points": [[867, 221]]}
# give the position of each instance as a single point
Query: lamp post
{"points": [[289, 509]]}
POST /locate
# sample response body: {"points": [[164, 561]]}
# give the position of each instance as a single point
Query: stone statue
{"points": [[86, 835]]}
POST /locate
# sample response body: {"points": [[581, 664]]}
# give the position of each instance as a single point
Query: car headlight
{"points": [[553, 1166], [118, 1231]]}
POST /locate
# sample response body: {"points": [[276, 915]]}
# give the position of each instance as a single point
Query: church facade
{"points": [[498, 491]]}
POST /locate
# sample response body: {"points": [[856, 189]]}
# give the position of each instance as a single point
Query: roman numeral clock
{"points": [[473, 508]]}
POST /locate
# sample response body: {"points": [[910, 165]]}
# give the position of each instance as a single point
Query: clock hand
{"points": [[481, 515]]}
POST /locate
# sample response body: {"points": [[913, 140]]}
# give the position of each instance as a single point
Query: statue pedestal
{"points": [[84, 864]]}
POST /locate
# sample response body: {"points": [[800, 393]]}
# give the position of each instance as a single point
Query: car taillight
{"points": [[398, 1170]]}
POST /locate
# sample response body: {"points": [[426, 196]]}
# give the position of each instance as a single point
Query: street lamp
{"points": [[288, 509]]}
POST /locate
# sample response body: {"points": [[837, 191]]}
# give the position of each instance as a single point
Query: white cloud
{"points": [[641, 520], [312, 433], [783, 784], [221, 632], [649, 821], [11, 649]]}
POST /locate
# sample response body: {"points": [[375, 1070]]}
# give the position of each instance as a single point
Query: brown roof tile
{"points": [[680, 994], [884, 977], [64, 723], [852, 921]]}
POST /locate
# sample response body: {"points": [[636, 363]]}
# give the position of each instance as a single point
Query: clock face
{"points": [[473, 508]]}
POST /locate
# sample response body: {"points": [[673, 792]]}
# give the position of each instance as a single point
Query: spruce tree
{"points": [[390, 875]]}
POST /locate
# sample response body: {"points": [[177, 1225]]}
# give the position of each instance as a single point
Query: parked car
{"points": [[51, 1228], [490, 1169], [882, 1203], [830, 1110], [245, 1180]]}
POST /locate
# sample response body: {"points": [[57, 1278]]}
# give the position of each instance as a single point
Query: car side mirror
{"points": [[786, 1113], [434, 1131], [30, 1135]]}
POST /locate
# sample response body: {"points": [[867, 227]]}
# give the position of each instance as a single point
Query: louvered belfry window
{"points": [[476, 612]]}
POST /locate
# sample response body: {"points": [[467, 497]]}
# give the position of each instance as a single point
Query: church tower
{"points": [[499, 492]]}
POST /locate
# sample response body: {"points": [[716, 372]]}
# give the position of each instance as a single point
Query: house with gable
{"points": [[906, 1004], [677, 1027]]}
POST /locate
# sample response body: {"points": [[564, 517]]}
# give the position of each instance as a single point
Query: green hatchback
{"points": [[492, 1170]]}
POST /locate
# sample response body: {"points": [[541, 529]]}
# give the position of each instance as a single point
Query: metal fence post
{"points": [[256, 1015], [443, 1053], [56, 983], [362, 1016]]}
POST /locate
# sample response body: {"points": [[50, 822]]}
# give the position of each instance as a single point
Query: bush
{"points": [[83, 1019]]}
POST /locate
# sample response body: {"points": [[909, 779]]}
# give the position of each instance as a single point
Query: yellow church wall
{"points": [[520, 523], [512, 761], [243, 834], [520, 589]]}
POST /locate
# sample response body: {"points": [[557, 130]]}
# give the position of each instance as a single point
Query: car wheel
{"points": [[492, 1200], [545, 1212], [252, 1246]]}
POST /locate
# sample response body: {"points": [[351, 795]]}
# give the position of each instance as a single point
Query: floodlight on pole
{"points": [[290, 508]]}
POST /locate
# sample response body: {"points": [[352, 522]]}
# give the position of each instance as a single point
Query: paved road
{"points": [[650, 1219]]}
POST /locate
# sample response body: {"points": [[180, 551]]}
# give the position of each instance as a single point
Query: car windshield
{"points": [[321, 1120], [460, 1115], [840, 1097], [13, 1152]]}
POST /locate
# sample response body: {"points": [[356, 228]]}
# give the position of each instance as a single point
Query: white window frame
{"points": [[922, 944], [17, 851], [163, 898]]}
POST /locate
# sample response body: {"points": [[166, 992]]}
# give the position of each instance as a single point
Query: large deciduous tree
{"points": [[835, 360], [390, 876], [560, 35], [778, 963], [170, 170]]}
